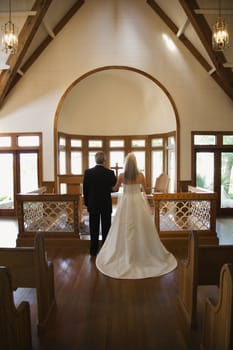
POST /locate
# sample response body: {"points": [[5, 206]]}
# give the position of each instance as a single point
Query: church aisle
{"points": [[97, 312]]}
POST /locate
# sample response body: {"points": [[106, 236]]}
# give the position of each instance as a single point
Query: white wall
{"points": [[116, 102], [122, 33]]}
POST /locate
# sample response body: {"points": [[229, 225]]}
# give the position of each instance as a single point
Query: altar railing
{"points": [[176, 214], [58, 215], [55, 214]]}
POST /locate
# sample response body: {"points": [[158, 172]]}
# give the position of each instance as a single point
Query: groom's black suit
{"points": [[97, 187]]}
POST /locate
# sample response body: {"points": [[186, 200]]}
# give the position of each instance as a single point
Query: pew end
{"points": [[30, 268], [186, 277], [201, 268], [15, 322], [217, 331]]}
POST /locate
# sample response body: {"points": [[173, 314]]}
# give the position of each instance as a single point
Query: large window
{"points": [[7, 181], [213, 166], [155, 154], [29, 180], [171, 162], [20, 167]]}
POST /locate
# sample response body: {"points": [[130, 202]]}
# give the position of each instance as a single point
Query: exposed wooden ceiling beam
{"points": [[220, 74], [4, 66], [223, 76], [17, 13], [47, 41], [182, 28], [213, 11], [26, 35], [179, 34], [49, 30], [228, 64]]}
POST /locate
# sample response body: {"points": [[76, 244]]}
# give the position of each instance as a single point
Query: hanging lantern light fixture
{"points": [[9, 39], [220, 35]]}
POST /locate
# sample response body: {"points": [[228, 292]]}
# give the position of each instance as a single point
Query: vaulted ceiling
{"points": [[39, 21]]}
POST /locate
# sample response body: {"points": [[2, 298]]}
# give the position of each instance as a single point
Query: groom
{"points": [[97, 187]]}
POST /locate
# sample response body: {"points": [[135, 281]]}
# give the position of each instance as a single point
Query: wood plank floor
{"points": [[97, 312]]}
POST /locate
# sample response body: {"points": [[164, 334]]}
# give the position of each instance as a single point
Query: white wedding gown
{"points": [[133, 248]]}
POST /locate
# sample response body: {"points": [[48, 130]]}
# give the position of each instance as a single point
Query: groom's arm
{"points": [[118, 183]]}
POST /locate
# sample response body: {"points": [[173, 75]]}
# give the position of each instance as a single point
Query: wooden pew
{"points": [[15, 323], [30, 268], [218, 316], [202, 267]]}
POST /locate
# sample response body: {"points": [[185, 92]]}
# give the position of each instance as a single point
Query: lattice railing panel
{"points": [[184, 215], [48, 216]]}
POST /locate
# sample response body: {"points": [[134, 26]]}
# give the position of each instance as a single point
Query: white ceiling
{"points": [[173, 10]]}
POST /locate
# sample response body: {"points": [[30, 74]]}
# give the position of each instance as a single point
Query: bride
{"points": [[133, 248]]}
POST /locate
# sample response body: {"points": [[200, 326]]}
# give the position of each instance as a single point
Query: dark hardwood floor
{"points": [[98, 312]]}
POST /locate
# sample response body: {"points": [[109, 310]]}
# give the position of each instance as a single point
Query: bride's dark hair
{"points": [[130, 167]]}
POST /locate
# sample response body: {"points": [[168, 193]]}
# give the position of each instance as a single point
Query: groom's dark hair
{"points": [[100, 157]]}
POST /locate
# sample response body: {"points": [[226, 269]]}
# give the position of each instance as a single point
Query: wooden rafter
{"points": [[223, 77], [221, 74], [9, 78], [182, 37], [26, 35], [38, 51]]}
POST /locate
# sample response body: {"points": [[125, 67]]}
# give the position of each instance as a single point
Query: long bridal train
{"points": [[133, 248]]}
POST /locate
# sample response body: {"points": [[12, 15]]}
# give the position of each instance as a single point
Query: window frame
{"points": [[16, 150], [127, 147], [216, 149]]}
